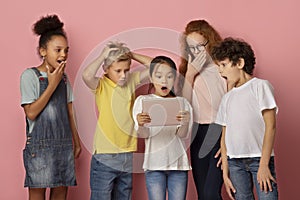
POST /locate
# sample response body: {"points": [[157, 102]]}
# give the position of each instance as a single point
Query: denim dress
{"points": [[48, 154]]}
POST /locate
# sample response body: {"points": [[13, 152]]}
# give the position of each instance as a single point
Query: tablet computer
{"points": [[162, 111]]}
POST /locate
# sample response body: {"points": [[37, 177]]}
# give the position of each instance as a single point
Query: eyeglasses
{"points": [[198, 47]]}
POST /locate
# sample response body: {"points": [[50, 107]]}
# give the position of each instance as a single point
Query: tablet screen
{"points": [[163, 111]]}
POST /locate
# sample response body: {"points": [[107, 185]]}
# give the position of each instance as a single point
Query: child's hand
{"points": [[195, 66], [143, 118], [183, 117], [77, 151], [106, 50], [229, 187], [55, 76], [264, 178], [218, 155]]}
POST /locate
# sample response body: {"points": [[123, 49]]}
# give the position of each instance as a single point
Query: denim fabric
{"points": [[243, 173], [49, 167], [111, 176], [48, 154], [158, 182], [207, 176]]}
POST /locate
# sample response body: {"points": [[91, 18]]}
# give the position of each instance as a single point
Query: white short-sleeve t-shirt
{"points": [[240, 112], [164, 150]]}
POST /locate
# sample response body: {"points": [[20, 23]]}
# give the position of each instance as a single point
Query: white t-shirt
{"points": [[241, 112], [164, 150]]}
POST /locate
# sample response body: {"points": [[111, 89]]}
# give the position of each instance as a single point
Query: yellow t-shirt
{"points": [[114, 131]]}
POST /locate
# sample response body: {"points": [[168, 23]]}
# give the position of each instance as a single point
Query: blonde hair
{"points": [[122, 53]]}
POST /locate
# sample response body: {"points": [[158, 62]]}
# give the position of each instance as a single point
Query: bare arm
{"points": [[227, 182], [184, 118], [142, 119], [33, 110], [76, 139], [89, 73], [143, 132], [145, 60], [264, 176], [193, 69]]}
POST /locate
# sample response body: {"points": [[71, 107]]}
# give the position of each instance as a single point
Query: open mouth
{"points": [[164, 88]]}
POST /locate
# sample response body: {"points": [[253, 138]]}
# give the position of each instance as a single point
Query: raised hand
{"points": [[55, 76], [196, 65], [106, 51]]}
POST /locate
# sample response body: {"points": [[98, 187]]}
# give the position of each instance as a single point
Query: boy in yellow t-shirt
{"points": [[114, 141]]}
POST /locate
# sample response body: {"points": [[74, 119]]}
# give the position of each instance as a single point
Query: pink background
{"points": [[271, 26]]}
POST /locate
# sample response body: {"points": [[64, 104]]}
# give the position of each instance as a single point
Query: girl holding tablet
{"points": [[166, 162]]}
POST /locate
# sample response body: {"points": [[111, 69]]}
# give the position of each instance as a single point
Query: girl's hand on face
{"points": [[183, 117], [143, 118], [55, 76], [194, 66]]}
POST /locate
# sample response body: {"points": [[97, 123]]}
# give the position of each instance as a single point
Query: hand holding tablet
{"points": [[163, 111]]}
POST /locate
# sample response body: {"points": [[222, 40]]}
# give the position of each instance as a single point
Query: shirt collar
{"points": [[110, 82]]}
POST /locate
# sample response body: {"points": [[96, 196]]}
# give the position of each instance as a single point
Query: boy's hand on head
{"points": [[143, 118], [130, 53], [106, 50], [265, 178]]}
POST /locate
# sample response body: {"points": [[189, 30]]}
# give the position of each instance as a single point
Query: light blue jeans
{"points": [[158, 182], [111, 176], [243, 173]]}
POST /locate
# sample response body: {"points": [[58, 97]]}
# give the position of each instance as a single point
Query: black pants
{"points": [[207, 177]]}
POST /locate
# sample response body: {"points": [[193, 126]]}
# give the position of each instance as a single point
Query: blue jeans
{"points": [[111, 176], [158, 182], [243, 173]]}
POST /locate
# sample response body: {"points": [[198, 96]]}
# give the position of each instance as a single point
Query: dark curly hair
{"points": [[46, 27], [234, 50]]}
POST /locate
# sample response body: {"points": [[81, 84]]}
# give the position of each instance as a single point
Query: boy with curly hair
{"points": [[248, 116]]}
